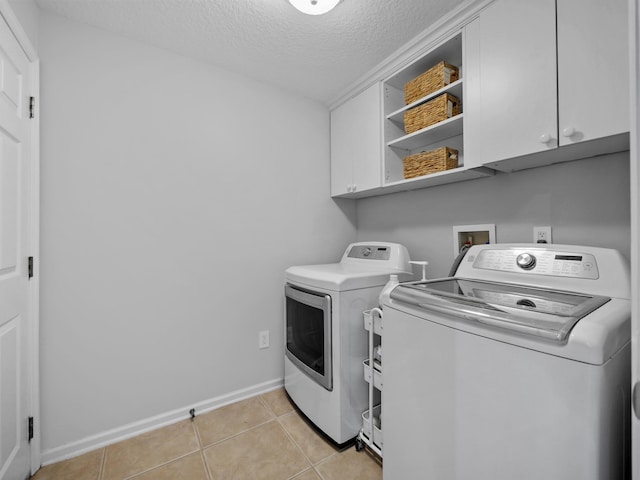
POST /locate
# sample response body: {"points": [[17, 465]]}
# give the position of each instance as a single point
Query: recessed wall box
{"points": [[472, 235]]}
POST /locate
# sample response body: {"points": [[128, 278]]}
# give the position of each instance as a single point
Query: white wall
{"points": [[586, 202], [27, 13], [174, 195]]}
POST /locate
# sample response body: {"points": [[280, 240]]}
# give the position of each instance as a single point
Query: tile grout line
{"points": [[267, 406], [313, 465], [218, 442], [335, 452], [274, 417], [290, 437], [197, 432], [207, 471], [155, 467], [277, 418], [324, 460], [103, 463], [310, 469], [318, 473]]}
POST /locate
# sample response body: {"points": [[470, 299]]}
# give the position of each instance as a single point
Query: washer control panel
{"points": [[537, 262], [526, 261]]}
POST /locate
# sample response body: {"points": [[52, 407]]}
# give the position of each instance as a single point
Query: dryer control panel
{"points": [[371, 252], [537, 262]]}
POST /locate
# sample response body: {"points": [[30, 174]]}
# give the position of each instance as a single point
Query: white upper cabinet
{"points": [[356, 144], [520, 106], [370, 141], [511, 96], [539, 82], [593, 69]]}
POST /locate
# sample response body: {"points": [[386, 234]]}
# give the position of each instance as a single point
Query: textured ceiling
{"points": [[269, 40]]}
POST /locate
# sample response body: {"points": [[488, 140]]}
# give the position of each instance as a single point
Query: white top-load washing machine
{"points": [[516, 368], [325, 339]]}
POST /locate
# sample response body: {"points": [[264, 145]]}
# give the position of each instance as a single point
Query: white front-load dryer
{"points": [[325, 340]]}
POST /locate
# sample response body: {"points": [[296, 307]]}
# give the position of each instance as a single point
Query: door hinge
{"points": [[30, 267], [32, 107], [30, 428]]}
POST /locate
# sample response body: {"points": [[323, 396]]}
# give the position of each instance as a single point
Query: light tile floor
{"points": [[262, 438]]}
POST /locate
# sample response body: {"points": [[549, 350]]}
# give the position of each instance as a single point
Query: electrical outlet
{"points": [[263, 339], [542, 234]]}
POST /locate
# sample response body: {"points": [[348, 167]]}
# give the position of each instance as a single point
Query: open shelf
{"points": [[455, 175], [448, 133], [451, 127], [454, 89]]}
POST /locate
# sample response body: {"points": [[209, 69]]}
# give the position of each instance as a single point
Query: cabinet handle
{"points": [[568, 131], [545, 138]]}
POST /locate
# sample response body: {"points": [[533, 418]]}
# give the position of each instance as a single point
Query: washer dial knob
{"points": [[366, 251], [526, 261]]}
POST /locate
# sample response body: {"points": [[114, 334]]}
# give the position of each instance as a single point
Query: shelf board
{"points": [[440, 131], [454, 175], [454, 88]]}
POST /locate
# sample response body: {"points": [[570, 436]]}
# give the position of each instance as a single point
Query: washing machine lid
{"points": [[525, 310]]}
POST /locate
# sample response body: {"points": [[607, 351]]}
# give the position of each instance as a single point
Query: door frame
{"points": [[8, 15], [634, 175]]}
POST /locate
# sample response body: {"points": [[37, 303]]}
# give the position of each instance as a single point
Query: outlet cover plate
{"points": [[263, 339], [542, 234]]}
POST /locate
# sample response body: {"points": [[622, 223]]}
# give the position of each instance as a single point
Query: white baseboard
{"points": [[115, 435]]}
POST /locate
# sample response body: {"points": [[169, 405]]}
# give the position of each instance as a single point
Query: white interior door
{"points": [[634, 38], [16, 319]]}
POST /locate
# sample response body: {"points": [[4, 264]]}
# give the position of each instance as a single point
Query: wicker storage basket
{"points": [[424, 163], [433, 79], [434, 111]]}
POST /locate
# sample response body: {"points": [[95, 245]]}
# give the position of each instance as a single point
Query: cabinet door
{"points": [[342, 150], [510, 81], [593, 71], [356, 143]]}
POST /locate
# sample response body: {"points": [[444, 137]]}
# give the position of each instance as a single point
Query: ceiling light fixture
{"points": [[314, 7]]}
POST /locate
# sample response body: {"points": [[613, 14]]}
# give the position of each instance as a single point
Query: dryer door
{"points": [[308, 326]]}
